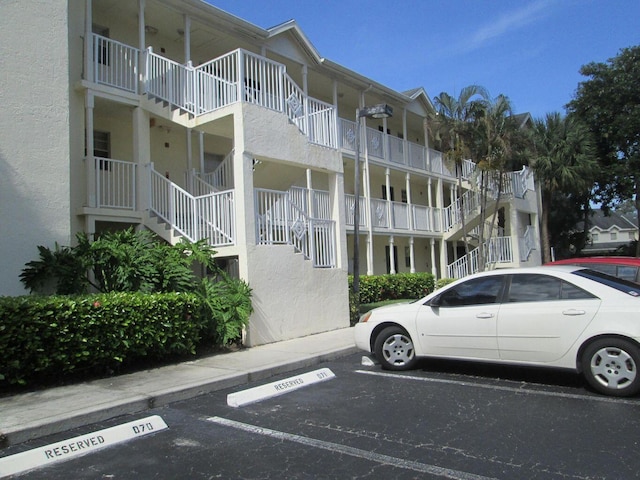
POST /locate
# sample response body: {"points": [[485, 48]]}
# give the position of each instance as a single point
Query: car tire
{"points": [[394, 349], [610, 366]]}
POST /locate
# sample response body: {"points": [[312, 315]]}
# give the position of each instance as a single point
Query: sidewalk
{"points": [[36, 414]]}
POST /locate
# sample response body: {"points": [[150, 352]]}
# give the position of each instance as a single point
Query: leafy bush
{"points": [[228, 304], [378, 288], [136, 317], [123, 261], [52, 336]]}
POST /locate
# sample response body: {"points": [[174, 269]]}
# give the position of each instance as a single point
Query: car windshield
{"points": [[625, 286]]}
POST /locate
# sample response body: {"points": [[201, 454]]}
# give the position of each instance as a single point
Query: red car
{"points": [[627, 268]]}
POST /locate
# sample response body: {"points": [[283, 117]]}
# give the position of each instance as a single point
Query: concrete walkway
{"points": [[32, 415]]}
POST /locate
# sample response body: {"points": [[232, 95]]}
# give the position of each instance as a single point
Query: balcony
{"points": [[238, 76]]}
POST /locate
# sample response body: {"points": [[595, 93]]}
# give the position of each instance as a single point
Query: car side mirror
{"points": [[434, 302]]}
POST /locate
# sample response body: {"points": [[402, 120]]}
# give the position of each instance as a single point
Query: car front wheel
{"points": [[394, 349], [610, 366]]}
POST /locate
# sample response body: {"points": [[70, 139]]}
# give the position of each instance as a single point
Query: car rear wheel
{"points": [[610, 366], [394, 349]]}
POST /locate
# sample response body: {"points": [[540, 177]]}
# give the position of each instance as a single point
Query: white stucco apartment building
{"points": [[175, 116]]}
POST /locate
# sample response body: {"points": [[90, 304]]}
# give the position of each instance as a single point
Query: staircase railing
{"points": [[208, 217], [496, 250], [527, 243], [280, 221]]}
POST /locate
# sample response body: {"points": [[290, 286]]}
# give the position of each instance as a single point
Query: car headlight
{"points": [[365, 317]]}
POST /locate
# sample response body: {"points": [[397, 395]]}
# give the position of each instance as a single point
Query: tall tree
{"points": [[497, 146], [563, 161], [609, 104], [453, 129]]}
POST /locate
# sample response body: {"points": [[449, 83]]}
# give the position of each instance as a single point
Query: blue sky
{"points": [[529, 50]]}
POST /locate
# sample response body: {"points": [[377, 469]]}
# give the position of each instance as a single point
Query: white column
{"points": [[88, 42], [142, 157], [90, 162], [187, 39], [311, 210], [142, 64], [434, 270], [430, 205], [392, 262], [189, 161], [412, 256], [407, 180], [201, 145], [387, 186]]}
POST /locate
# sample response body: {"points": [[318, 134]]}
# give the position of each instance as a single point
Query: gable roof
{"points": [[601, 221]]}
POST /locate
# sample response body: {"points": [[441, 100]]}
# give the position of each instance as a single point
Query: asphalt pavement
{"points": [[35, 414]]}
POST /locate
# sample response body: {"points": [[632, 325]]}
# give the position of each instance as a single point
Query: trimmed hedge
{"points": [[378, 288], [53, 336]]}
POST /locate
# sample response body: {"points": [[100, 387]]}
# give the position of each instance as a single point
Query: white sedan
{"points": [[563, 316]]}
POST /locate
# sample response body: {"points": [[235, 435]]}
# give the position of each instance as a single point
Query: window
{"points": [[384, 193], [477, 291], [614, 235], [594, 237], [407, 257], [542, 288], [625, 286], [403, 194]]}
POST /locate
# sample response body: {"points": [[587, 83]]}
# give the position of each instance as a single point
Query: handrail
{"points": [[279, 220], [208, 217]]}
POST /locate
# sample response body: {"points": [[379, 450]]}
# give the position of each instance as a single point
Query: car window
{"points": [[627, 272], [542, 288], [625, 286], [601, 267], [477, 291]]}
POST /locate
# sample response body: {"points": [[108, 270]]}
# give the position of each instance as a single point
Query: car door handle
{"points": [[573, 312], [484, 315]]}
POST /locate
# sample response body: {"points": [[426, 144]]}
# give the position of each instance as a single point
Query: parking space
{"points": [[442, 420]]}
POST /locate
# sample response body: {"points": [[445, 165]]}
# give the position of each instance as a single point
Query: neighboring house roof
{"points": [[601, 221], [612, 221], [523, 119]]}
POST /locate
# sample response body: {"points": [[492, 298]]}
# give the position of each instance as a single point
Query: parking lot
{"points": [[443, 420]]}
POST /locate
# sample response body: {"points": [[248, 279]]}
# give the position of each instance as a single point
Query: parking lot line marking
{"points": [[82, 445], [273, 389], [346, 450], [503, 388]]}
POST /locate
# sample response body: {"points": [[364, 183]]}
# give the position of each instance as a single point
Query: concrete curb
{"points": [[36, 414]]}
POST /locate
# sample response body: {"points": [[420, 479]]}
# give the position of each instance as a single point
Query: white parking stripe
{"points": [[354, 452], [503, 388]]}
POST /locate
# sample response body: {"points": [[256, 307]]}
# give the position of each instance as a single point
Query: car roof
{"points": [[630, 261]]}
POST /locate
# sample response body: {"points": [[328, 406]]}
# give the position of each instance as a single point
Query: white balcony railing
{"points": [[115, 183], [115, 64]]}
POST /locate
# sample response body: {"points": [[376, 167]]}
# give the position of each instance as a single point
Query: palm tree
{"points": [[498, 144], [452, 128], [563, 161]]}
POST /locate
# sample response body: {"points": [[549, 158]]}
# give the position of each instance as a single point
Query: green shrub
{"points": [[379, 288], [228, 305], [376, 288], [58, 336]]}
